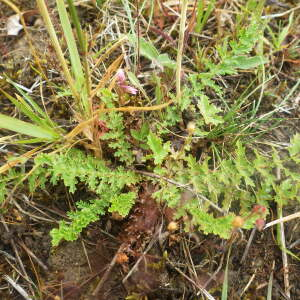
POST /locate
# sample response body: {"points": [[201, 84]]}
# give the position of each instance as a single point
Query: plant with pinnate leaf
{"points": [[227, 188], [221, 188], [218, 118], [113, 188]]}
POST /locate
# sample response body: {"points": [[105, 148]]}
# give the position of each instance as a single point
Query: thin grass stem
{"points": [[184, 7]]}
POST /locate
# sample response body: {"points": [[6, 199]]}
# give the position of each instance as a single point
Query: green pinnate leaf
{"points": [[142, 134], [285, 191], [242, 62], [209, 224], [209, 111], [170, 194], [159, 150], [80, 219], [247, 37], [294, 148], [116, 137], [264, 167], [243, 166], [163, 60], [107, 183], [122, 203]]}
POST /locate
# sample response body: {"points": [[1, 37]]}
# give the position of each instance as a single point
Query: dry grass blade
{"points": [[281, 14], [150, 245], [283, 219], [201, 289], [284, 260], [23, 272], [81, 126], [248, 245], [44, 12], [30, 253], [270, 283], [17, 287], [109, 51], [184, 6], [249, 283], [111, 69], [31, 216], [18, 160], [107, 272]]}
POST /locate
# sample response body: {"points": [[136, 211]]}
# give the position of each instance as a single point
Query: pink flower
{"points": [[259, 209], [129, 89], [120, 76], [121, 82]]}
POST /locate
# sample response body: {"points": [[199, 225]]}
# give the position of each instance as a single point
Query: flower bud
{"points": [[120, 75], [259, 209], [238, 222], [191, 127], [260, 224], [172, 226]]}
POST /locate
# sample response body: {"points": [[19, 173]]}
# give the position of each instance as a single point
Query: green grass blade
{"points": [[129, 15], [50, 28], [203, 17], [225, 283], [81, 77], [43, 121], [73, 51], [22, 127], [29, 141], [23, 107], [132, 28], [28, 99], [285, 31], [76, 22], [32, 103]]}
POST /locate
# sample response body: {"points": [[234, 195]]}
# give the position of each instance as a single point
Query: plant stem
{"points": [[184, 7], [45, 15]]}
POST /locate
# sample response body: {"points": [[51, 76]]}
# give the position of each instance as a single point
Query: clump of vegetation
{"points": [[108, 185], [222, 188], [220, 192], [235, 184], [138, 114]]}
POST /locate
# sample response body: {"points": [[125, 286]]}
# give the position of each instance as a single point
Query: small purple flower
{"points": [[129, 89], [120, 76], [121, 82]]}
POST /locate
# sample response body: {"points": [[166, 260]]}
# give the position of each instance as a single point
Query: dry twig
{"points": [[107, 272], [248, 245], [283, 219], [30, 253], [17, 287]]}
